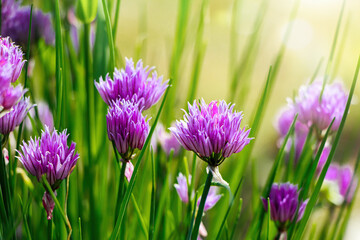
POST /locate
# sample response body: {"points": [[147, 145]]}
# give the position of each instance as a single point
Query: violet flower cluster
{"points": [[126, 127], [133, 84], [15, 20], [318, 106], [14, 117], [131, 92], [49, 155], [284, 202], [212, 198], [212, 131], [11, 64]]}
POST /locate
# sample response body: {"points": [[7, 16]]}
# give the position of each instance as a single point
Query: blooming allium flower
{"points": [[211, 131], [12, 119], [284, 200], [317, 111], [182, 187], [51, 156], [126, 127], [337, 183], [11, 60], [211, 199], [16, 19], [134, 84]]}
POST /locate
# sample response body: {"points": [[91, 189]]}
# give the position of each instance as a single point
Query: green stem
{"points": [[120, 191], [50, 236], [201, 207]]}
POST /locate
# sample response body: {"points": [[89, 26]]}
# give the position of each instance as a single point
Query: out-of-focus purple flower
{"points": [[16, 19], [341, 177], [182, 187], [211, 131], [284, 122], [134, 84], [323, 158], [211, 199], [284, 200], [166, 140], [75, 27], [11, 60], [12, 119], [45, 115], [128, 170], [126, 127], [320, 111], [51, 156]]}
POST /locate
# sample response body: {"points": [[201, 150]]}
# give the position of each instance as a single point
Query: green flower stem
{"points": [[57, 204], [50, 236], [201, 207], [120, 191]]}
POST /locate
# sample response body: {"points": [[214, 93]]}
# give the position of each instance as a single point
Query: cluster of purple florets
{"points": [[128, 94]]}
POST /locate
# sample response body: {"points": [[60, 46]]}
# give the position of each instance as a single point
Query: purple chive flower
{"points": [[317, 111], [132, 83], [51, 156], [341, 177], [126, 127], [167, 141], [11, 61], [182, 187], [16, 19], [211, 131], [12, 119], [284, 200], [211, 199]]}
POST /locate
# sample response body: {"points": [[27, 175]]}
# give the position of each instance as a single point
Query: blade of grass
{"points": [[116, 18], [59, 64], [308, 176], [129, 190], [228, 209], [256, 123], [257, 222], [199, 51], [110, 37], [57, 204], [248, 57], [318, 185], [237, 219], [80, 232], [5, 188], [333, 47], [153, 198]]}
